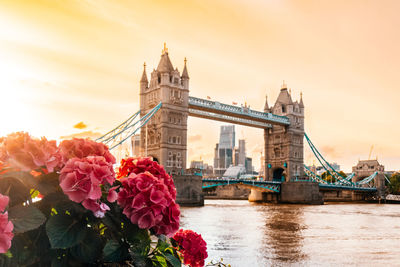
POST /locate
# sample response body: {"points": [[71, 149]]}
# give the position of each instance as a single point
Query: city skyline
{"points": [[81, 61]]}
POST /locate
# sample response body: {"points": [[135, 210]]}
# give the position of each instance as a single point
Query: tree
{"points": [[394, 186]]}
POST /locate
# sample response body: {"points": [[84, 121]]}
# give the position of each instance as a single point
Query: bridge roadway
{"points": [[275, 186], [214, 110]]}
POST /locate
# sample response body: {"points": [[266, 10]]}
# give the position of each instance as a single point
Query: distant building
{"points": [[234, 171], [249, 165], [196, 164], [240, 153], [227, 136], [319, 170], [202, 166], [226, 155], [223, 153]]}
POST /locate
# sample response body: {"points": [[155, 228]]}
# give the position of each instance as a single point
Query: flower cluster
{"points": [[140, 165], [27, 153], [192, 246], [81, 148], [6, 226], [147, 202], [80, 180]]}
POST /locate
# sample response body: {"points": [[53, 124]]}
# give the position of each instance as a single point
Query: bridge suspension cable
{"points": [[345, 181], [325, 164], [128, 128], [368, 179]]}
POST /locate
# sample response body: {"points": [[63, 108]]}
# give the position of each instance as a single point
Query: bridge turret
{"points": [[166, 132], [284, 144], [185, 77], [144, 83], [266, 107]]}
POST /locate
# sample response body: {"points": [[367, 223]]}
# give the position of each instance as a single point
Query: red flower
{"points": [[140, 165], [80, 148], [80, 180], [147, 202], [22, 151], [6, 226], [192, 246]]}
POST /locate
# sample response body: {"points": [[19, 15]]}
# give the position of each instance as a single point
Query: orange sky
{"points": [[65, 62]]}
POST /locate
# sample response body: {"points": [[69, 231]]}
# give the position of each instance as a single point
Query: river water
{"points": [[248, 234]]}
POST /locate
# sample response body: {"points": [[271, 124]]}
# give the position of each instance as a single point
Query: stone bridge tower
{"points": [[164, 136], [284, 157], [365, 168]]}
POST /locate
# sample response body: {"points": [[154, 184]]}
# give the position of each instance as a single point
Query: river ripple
{"points": [[248, 234]]}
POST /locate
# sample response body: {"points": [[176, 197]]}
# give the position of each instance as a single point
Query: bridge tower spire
{"points": [[266, 107], [185, 76], [166, 132]]}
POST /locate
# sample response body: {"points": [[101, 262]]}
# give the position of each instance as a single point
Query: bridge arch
{"points": [[277, 174]]}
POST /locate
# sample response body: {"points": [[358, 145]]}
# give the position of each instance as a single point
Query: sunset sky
{"points": [[66, 62]]}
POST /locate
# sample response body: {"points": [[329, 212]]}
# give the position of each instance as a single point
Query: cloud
{"points": [[80, 125], [329, 151], [194, 138], [85, 134]]}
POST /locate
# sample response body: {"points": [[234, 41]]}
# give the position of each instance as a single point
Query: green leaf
{"points": [[65, 231], [162, 244], [114, 251], [90, 249], [159, 260], [48, 183], [50, 201], [15, 189], [23, 252], [25, 218], [24, 177], [175, 262]]}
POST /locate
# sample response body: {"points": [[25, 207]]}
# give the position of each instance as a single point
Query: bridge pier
{"points": [[260, 196], [301, 193], [291, 192], [189, 190]]}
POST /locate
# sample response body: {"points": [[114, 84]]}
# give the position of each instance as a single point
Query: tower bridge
{"points": [[165, 135], [165, 106]]}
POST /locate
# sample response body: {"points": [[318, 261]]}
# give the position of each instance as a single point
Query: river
{"points": [[248, 234]]}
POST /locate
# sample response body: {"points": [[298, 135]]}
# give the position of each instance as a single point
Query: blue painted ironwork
{"points": [[346, 187], [314, 176], [127, 129], [244, 112], [341, 182], [325, 164], [368, 179], [268, 185]]}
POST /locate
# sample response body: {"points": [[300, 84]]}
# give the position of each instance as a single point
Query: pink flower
{"points": [[80, 148], [81, 181], [140, 165], [147, 202], [192, 246], [6, 226], [3, 202], [112, 194], [99, 209], [22, 151]]}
